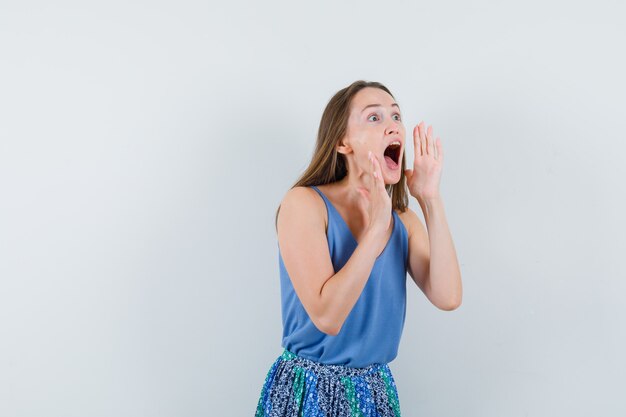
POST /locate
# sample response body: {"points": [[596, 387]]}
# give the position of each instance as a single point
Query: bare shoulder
{"points": [[304, 203], [412, 222], [408, 218]]}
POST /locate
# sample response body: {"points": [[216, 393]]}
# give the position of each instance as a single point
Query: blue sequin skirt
{"points": [[299, 387]]}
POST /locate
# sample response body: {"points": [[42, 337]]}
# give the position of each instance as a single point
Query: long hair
{"points": [[327, 165]]}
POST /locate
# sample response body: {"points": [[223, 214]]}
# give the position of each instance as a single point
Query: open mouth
{"points": [[392, 156]]}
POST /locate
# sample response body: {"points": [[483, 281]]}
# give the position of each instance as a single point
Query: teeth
{"points": [[395, 142]]}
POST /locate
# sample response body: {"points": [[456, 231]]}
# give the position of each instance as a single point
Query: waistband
{"points": [[332, 370]]}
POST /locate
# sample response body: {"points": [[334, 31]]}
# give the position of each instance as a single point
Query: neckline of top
{"points": [[345, 224]]}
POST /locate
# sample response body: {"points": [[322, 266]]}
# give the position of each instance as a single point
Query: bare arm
{"points": [[340, 292], [433, 263]]}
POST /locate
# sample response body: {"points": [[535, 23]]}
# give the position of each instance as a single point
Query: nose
{"points": [[394, 127]]}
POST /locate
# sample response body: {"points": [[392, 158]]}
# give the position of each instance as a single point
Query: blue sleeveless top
{"points": [[371, 332]]}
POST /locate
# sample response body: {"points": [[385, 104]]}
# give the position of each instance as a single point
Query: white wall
{"points": [[145, 146]]}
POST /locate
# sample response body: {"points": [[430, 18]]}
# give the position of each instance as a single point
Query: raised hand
{"points": [[377, 199], [423, 180]]}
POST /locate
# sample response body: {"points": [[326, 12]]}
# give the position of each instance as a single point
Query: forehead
{"points": [[371, 95]]}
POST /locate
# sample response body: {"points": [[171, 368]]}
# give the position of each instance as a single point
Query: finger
{"points": [[380, 183], [375, 171], [429, 141], [372, 171], [416, 143], [439, 150], [422, 138]]}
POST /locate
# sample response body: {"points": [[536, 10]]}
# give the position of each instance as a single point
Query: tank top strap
{"points": [[333, 214], [330, 209], [320, 193]]}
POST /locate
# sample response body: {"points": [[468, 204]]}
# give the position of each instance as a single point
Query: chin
{"points": [[392, 179]]}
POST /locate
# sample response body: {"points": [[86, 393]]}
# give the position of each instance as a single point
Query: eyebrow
{"points": [[378, 105]]}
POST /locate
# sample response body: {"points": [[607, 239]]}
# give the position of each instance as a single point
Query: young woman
{"points": [[346, 240]]}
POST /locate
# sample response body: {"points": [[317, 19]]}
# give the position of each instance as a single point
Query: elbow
{"points": [[327, 327], [324, 321], [451, 300], [331, 331], [449, 303], [451, 306]]}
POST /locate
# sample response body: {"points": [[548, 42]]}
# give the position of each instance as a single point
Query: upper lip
{"points": [[397, 138]]}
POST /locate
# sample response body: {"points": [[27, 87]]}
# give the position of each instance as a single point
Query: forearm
{"points": [[340, 292], [444, 278]]}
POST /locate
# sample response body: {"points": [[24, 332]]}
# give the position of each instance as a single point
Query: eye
{"points": [[373, 115], [398, 114]]}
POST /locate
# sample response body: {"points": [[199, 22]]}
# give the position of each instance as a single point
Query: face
{"points": [[379, 129]]}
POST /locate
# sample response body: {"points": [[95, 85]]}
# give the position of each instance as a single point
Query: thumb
{"points": [[408, 173]]}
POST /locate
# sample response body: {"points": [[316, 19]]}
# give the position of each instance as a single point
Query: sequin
{"points": [[299, 387]]}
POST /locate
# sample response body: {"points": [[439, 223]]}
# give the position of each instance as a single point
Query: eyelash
{"points": [[400, 117]]}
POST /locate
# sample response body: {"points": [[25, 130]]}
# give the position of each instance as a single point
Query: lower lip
{"points": [[390, 164]]}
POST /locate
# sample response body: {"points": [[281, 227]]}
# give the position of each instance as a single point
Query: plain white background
{"points": [[145, 147]]}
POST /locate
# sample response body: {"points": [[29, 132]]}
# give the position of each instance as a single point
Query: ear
{"points": [[343, 146]]}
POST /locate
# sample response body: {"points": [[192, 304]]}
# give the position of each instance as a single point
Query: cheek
{"points": [[361, 139], [360, 134], [362, 149]]}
